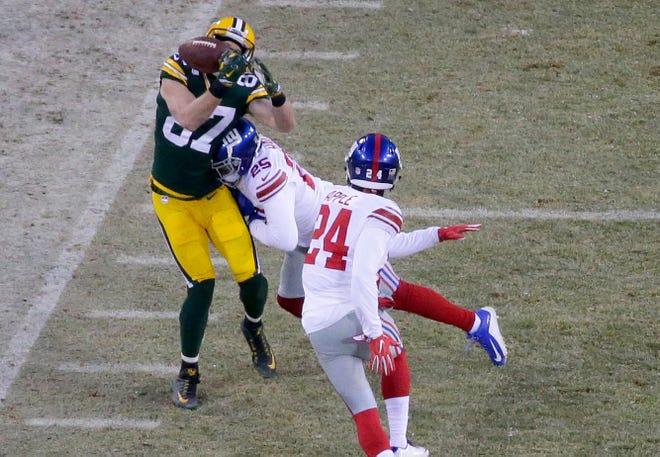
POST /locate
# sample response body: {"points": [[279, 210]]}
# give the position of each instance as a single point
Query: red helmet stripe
{"points": [[374, 165]]}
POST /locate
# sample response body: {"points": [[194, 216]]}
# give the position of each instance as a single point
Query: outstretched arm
{"points": [[408, 243]]}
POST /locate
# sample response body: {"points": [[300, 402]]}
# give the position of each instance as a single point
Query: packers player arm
{"points": [[189, 111], [280, 118]]}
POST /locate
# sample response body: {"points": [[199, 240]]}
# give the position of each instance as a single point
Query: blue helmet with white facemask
{"points": [[373, 162], [234, 156]]}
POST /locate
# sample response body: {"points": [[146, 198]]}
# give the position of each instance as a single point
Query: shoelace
{"points": [[186, 387], [188, 384], [258, 344]]}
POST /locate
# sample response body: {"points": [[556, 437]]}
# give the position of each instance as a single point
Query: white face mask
{"points": [[228, 170], [230, 179]]}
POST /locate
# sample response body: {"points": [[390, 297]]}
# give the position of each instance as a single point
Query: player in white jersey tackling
{"points": [[341, 315], [281, 200]]}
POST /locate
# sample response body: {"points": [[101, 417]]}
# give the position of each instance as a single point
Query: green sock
{"points": [[194, 315], [253, 293]]}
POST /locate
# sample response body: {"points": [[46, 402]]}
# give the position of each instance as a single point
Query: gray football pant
{"points": [[341, 357], [291, 274]]}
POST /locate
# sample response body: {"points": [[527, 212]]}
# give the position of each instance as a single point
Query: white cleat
{"points": [[410, 451]]}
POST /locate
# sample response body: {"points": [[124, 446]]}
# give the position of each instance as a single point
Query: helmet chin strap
{"points": [[380, 192]]}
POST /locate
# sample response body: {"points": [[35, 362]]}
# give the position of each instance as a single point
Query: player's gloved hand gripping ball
{"points": [[231, 66], [202, 53]]}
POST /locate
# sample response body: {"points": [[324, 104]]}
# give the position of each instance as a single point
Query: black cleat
{"points": [[184, 388], [263, 358]]}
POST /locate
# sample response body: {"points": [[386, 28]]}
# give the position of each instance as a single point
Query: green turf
{"points": [[494, 104]]}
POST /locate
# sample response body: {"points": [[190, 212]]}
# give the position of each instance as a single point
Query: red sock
{"points": [[371, 435], [292, 305], [428, 303], [397, 384]]}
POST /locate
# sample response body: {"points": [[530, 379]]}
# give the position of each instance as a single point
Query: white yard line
{"points": [[93, 423], [159, 260], [137, 314], [533, 214], [118, 368], [315, 4], [133, 314], [592, 216], [311, 105], [145, 260], [309, 55]]}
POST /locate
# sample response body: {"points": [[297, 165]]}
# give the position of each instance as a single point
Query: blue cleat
{"points": [[488, 335]]}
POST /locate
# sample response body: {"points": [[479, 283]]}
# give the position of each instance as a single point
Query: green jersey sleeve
{"points": [[182, 158]]}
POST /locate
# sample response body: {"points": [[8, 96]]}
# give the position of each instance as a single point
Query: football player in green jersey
{"points": [[194, 111]]}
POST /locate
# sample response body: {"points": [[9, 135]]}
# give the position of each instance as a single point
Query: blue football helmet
{"points": [[373, 162], [234, 157]]}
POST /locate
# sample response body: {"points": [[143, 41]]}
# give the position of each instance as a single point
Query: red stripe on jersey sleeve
{"points": [[271, 187], [392, 218]]}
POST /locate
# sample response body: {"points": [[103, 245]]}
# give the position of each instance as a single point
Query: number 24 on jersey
{"points": [[333, 238]]}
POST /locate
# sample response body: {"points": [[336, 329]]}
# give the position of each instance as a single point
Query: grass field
{"points": [[536, 106]]}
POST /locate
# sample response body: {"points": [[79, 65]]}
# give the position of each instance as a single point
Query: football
{"points": [[202, 53]]}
